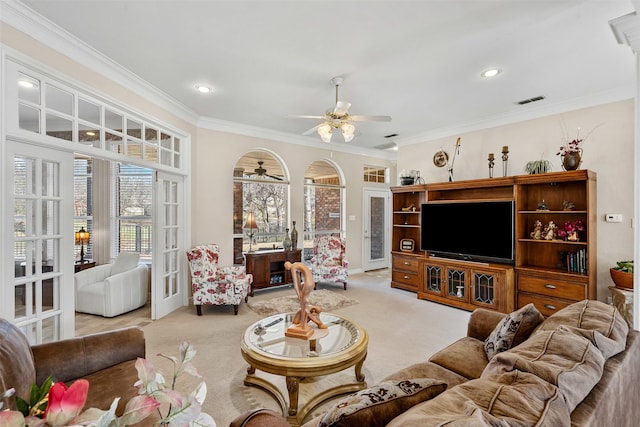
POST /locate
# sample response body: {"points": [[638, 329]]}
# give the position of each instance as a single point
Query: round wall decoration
{"points": [[441, 158]]}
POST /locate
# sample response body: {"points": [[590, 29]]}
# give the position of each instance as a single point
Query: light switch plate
{"points": [[611, 217]]}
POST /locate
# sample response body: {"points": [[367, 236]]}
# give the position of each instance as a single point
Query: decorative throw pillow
{"points": [[378, 405], [513, 330]]}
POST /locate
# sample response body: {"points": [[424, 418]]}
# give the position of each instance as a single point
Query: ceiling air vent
{"points": [[527, 101], [391, 135]]}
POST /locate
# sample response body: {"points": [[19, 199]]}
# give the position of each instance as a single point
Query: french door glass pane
{"points": [[377, 231]]}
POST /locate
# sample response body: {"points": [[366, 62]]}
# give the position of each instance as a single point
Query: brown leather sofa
{"points": [[599, 389], [105, 359]]}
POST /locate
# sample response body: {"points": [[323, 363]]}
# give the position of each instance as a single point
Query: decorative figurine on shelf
{"points": [[542, 206], [294, 237], [568, 205], [550, 231], [307, 313], [409, 208], [505, 158], [455, 151], [536, 234], [286, 243], [491, 160]]}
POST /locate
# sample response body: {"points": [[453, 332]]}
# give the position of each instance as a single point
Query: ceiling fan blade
{"points": [[371, 118], [305, 117], [279, 178], [312, 130], [341, 108]]}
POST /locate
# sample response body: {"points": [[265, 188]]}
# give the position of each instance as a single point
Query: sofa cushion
{"points": [[601, 323], [512, 330], [427, 370], [465, 357], [560, 357], [511, 399], [125, 261], [378, 405], [16, 363]]}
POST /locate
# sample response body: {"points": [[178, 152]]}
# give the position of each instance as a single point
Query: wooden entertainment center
{"points": [[545, 272]]}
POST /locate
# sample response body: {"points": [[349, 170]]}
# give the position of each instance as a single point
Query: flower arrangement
{"points": [[569, 231], [574, 146], [55, 404]]}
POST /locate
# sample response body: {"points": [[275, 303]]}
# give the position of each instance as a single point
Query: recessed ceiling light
{"points": [[491, 72], [204, 89]]}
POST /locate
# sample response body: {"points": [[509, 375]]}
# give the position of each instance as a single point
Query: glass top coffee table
{"points": [[265, 347]]}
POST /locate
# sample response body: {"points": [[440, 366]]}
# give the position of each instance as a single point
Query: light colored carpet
{"points": [[402, 330], [325, 299]]}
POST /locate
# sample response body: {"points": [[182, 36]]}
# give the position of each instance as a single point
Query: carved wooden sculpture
{"points": [[307, 312]]}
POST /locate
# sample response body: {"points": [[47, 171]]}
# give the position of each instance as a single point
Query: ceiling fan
{"points": [[260, 171], [339, 118]]}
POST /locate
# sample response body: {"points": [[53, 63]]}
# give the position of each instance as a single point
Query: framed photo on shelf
{"points": [[407, 245]]}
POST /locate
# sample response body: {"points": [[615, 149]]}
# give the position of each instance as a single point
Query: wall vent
{"points": [[527, 101]]}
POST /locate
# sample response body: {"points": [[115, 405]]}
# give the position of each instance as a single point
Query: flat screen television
{"points": [[481, 231]]}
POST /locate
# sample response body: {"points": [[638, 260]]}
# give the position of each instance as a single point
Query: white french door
{"points": [[39, 192], [167, 278], [376, 229]]}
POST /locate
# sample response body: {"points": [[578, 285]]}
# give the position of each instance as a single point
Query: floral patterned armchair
{"points": [[214, 285], [329, 262]]}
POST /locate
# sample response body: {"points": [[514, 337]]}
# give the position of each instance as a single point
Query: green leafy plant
{"points": [[626, 266]]}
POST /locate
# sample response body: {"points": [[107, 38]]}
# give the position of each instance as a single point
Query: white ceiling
{"points": [[417, 61]]}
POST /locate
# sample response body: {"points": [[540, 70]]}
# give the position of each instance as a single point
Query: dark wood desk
{"points": [[267, 267], [84, 266]]}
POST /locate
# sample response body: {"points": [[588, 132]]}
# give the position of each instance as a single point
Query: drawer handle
{"points": [[407, 263], [550, 286], [550, 307], [406, 277]]}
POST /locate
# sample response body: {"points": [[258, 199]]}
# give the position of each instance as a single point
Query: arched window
{"points": [[323, 202], [260, 189]]}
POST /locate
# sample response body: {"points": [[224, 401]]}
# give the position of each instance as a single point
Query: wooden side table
{"points": [[623, 301], [267, 267], [84, 266]]}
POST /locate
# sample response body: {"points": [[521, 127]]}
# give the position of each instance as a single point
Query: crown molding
{"points": [[289, 138], [626, 29], [28, 21], [620, 94]]}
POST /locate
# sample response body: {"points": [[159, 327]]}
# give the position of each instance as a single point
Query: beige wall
{"points": [[213, 160], [608, 151]]}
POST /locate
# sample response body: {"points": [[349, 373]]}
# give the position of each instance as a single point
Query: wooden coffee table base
{"points": [[296, 415]]}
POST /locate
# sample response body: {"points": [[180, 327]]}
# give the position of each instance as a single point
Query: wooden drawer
{"points": [[406, 263], [547, 306], [552, 287], [406, 277]]}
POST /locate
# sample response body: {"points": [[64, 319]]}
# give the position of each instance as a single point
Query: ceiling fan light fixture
{"points": [[324, 130], [348, 130]]}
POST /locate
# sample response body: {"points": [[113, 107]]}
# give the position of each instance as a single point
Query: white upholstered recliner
{"points": [[112, 289]]}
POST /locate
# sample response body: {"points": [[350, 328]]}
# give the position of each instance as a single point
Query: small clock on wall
{"points": [[407, 245], [441, 158]]}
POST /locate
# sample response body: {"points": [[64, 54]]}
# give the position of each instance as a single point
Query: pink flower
{"points": [[66, 403]]}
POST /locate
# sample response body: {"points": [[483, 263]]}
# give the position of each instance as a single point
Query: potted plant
{"points": [[622, 274], [407, 177]]}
